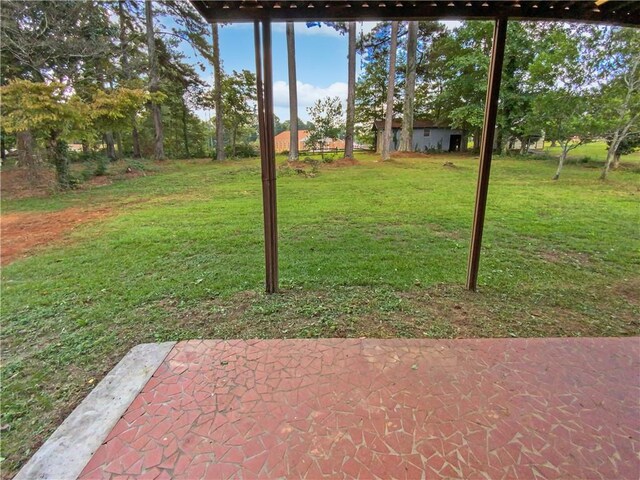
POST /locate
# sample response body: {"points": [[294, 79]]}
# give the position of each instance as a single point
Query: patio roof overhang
{"points": [[609, 12], [264, 12]]}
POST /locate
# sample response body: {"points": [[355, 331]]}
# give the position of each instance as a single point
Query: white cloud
{"points": [[307, 96], [451, 24]]}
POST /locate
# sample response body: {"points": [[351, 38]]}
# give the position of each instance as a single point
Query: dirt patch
{"points": [[629, 290], [24, 232], [103, 180], [301, 165], [23, 183], [342, 162], [410, 155], [40, 181], [438, 231], [573, 258], [296, 164]]}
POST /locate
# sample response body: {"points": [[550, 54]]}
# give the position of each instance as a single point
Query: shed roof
{"points": [[601, 11]]}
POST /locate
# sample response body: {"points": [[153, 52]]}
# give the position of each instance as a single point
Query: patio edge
{"points": [[71, 446]]}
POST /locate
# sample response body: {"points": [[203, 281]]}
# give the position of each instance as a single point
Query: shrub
{"points": [[102, 162], [243, 150]]}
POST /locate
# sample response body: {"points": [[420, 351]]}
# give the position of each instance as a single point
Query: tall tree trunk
{"points": [[126, 69], [120, 150], [59, 158], [111, 149], [351, 93], [217, 92], [234, 134], [464, 142], [561, 160], [124, 57], [24, 144], [524, 145], [616, 161], [388, 119], [406, 136], [135, 137], [3, 152], [619, 135], [154, 83], [293, 93], [611, 153], [498, 141], [185, 135]]}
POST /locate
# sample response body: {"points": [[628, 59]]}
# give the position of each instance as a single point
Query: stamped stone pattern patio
{"points": [[364, 408]]}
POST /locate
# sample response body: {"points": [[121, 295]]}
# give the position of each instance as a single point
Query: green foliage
{"points": [[44, 40], [110, 109], [371, 85], [629, 145], [564, 116], [327, 119], [238, 104], [459, 68], [619, 98], [241, 150], [102, 162], [40, 107]]}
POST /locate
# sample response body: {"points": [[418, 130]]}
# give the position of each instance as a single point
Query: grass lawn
{"points": [[594, 151], [376, 249]]}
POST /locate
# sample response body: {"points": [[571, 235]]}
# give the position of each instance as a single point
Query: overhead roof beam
{"points": [[617, 12]]}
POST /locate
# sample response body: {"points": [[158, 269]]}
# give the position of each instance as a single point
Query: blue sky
{"points": [[321, 57], [321, 62]]}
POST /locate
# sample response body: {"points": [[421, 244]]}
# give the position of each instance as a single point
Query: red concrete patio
{"points": [[494, 409]]}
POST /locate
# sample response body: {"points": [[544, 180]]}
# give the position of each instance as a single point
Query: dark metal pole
{"points": [[259, 91], [486, 149], [264, 78]]}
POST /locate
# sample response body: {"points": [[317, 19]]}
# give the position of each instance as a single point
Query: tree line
{"points": [[114, 76], [110, 74], [568, 83]]}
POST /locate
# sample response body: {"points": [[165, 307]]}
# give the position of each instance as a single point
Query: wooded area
{"points": [[369, 248], [113, 77]]}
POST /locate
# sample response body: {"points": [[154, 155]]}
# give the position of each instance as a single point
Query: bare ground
{"points": [[24, 232]]}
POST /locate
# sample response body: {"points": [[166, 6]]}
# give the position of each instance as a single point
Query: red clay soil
{"points": [[23, 232], [18, 183], [410, 155], [343, 162], [24, 183]]}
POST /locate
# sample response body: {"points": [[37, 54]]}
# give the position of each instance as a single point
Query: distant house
{"points": [[283, 140], [337, 144], [427, 136]]}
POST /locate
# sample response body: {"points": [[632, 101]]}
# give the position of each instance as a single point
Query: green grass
{"points": [[377, 250], [596, 151]]}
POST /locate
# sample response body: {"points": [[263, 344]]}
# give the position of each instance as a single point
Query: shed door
{"points": [[454, 143]]}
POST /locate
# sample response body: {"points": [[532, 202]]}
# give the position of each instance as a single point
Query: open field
{"points": [[596, 151], [374, 249]]}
